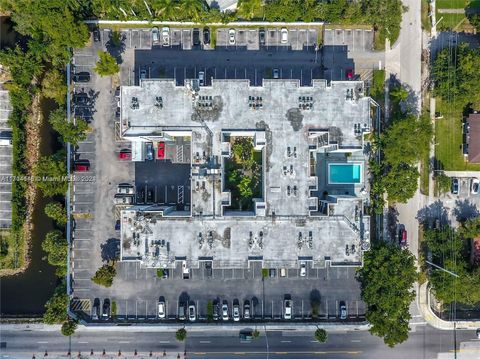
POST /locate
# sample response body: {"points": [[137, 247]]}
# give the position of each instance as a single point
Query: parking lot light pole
{"points": [[316, 52]]}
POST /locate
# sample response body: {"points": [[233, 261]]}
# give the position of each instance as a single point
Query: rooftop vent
{"points": [[134, 105], [255, 102], [305, 102], [159, 102]]}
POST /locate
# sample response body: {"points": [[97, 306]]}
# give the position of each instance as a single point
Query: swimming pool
{"points": [[339, 173]]}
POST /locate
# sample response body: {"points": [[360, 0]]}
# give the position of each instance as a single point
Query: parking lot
{"points": [[136, 290], [5, 164]]}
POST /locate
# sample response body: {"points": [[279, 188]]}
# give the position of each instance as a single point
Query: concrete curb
{"points": [[432, 319], [191, 23]]}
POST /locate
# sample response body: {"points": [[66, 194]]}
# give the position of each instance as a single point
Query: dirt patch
{"points": [[295, 117]]}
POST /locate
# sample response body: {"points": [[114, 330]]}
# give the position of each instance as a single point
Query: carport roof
{"points": [[474, 140]]}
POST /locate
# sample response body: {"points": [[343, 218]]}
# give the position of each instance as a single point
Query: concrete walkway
{"points": [[451, 11], [430, 317]]}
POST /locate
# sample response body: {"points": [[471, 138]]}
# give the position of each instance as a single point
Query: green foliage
{"points": [[255, 334], [23, 66], [160, 273], [56, 247], [116, 38], [443, 183], [113, 310], [456, 74], [321, 335], [245, 189], [210, 311], [106, 64], [54, 86], [69, 131], [248, 9], [56, 307], [104, 275], [242, 149], [386, 282], [57, 212], [264, 272], [181, 334], [401, 182], [50, 174], [69, 327]]}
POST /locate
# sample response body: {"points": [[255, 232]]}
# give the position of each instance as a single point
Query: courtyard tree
{"points": [[104, 275], [386, 280], [106, 64]]}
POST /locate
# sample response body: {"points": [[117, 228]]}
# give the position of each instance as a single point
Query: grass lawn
{"points": [[451, 4], [426, 22], [12, 254], [378, 86], [448, 139], [424, 174]]}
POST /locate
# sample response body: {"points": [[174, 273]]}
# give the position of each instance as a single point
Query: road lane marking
{"points": [[164, 341], [123, 342], [205, 341], [355, 341], [286, 341], [82, 342], [42, 342]]}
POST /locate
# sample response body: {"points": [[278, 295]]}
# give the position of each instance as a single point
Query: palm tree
{"points": [[249, 8], [165, 9], [191, 9]]}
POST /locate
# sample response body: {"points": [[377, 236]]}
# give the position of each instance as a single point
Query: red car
{"points": [[81, 167], [125, 155], [403, 239], [349, 74], [161, 150]]}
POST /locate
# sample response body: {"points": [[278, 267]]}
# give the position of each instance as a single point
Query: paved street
{"points": [[424, 343]]}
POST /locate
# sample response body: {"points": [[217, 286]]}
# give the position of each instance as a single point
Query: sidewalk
{"points": [[432, 319]]}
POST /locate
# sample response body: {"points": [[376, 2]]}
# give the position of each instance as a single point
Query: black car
{"points": [[166, 273], [455, 185], [117, 225], [106, 309], [196, 37], [81, 77], [96, 309], [149, 151], [208, 269], [216, 310], [96, 35], [206, 36], [261, 34], [80, 98]]}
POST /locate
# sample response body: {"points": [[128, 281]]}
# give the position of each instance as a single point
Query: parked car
{"points": [[166, 36], [231, 36], [192, 315], [155, 36], [96, 35], [287, 309], [96, 309], [246, 309], [161, 150], [117, 225], [403, 237], [125, 155], [149, 152], [276, 73], [161, 308], [206, 36], [474, 186], [81, 98], [261, 36], [284, 35], [83, 76], [123, 199], [225, 311], [166, 273], [143, 74], [201, 78], [236, 311], [303, 269], [245, 337], [208, 269], [283, 272], [343, 310], [125, 188], [196, 37], [272, 272], [182, 311], [349, 74], [82, 167], [106, 309], [477, 333], [216, 310], [6, 138], [455, 185]]}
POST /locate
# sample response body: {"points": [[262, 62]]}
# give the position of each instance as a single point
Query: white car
{"points": [[125, 188], [236, 313], [155, 36], [143, 74], [225, 311], [201, 78], [276, 73], [165, 36], [284, 35], [192, 315], [287, 313], [303, 269], [161, 309], [231, 36], [474, 186]]}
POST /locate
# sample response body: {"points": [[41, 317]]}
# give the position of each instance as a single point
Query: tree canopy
{"points": [[386, 279], [321, 335], [70, 132], [104, 275], [56, 307], [181, 334], [69, 327], [106, 64], [50, 174], [54, 86], [57, 212]]}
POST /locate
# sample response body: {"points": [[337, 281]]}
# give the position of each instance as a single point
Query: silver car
{"points": [[225, 311], [155, 36], [166, 36], [192, 315]]}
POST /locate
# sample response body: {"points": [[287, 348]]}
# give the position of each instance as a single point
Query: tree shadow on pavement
{"points": [[116, 45], [427, 215], [111, 250], [464, 210], [392, 221]]}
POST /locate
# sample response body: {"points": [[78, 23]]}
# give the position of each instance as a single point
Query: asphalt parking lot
{"points": [[5, 165], [136, 290]]}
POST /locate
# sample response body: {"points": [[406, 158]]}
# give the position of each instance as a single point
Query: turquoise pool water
{"points": [[345, 173]]}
